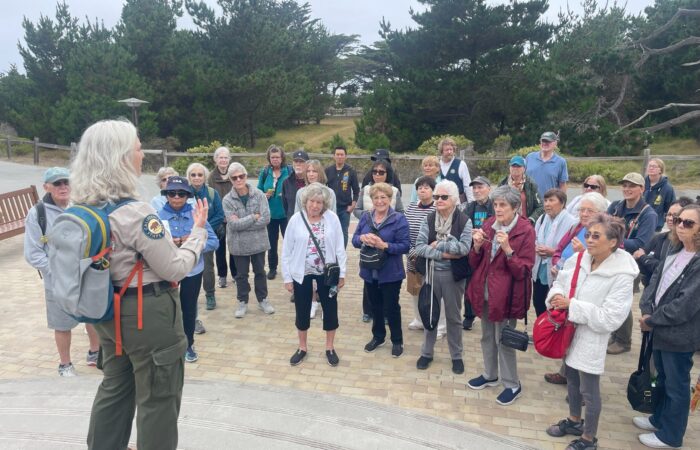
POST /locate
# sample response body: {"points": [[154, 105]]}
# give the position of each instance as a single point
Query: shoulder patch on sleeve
{"points": [[153, 227]]}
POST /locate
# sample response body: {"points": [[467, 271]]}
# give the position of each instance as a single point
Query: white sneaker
{"points": [[415, 325], [441, 333], [266, 307], [67, 371], [650, 440], [314, 307], [643, 423], [241, 310]]}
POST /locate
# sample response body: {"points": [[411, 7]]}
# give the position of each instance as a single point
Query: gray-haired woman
{"points": [[302, 264], [247, 215], [162, 181], [445, 238]]}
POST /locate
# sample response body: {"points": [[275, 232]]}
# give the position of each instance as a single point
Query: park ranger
{"points": [[149, 373]]}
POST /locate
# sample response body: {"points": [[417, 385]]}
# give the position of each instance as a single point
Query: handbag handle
{"points": [[645, 351], [313, 237], [574, 279]]}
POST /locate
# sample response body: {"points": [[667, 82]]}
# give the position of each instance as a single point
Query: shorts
{"points": [[56, 318]]}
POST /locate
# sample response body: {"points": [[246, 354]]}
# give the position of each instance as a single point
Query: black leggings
{"points": [[303, 295], [384, 299], [189, 292], [539, 295]]}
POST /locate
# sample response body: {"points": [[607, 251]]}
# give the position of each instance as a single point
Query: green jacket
{"points": [[533, 202]]}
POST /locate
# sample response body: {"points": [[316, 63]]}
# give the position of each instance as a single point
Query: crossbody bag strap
{"points": [[574, 279], [313, 237], [633, 222]]}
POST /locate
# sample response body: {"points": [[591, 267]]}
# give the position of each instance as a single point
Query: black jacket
{"points": [[289, 195], [656, 250], [344, 183], [534, 206]]}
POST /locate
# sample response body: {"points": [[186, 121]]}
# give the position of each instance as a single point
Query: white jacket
{"points": [[295, 242], [600, 305]]}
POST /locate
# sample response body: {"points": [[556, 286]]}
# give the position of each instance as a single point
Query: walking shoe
{"points": [[91, 358], [643, 423], [457, 366], [271, 274], [191, 355], [415, 325], [332, 358], [423, 362], [554, 378], [366, 318], [266, 307], [199, 327], [297, 357], [241, 310], [211, 302], [468, 323], [564, 427], [509, 396], [222, 282], [314, 307], [67, 370], [616, 348], [650, 440], [373, 345], [396, 350], [582, 444], [480, 382]]}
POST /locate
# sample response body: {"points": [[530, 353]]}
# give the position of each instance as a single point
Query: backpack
{"points": [[80, 242]]}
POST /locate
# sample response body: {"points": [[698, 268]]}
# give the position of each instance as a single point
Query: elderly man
{"points": [[454, 169], [530, 200], [548, 169], [39, 221]]}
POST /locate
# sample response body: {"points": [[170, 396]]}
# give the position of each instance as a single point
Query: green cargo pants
{"points": [[148, 377]]}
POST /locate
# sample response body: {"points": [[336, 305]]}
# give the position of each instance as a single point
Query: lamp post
{"points": [[134, 104]]}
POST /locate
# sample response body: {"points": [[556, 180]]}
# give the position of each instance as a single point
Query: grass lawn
{"points": [[312, 136], [675, 147]]}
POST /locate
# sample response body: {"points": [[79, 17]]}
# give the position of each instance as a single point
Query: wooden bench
{"points": [[14, 207]]}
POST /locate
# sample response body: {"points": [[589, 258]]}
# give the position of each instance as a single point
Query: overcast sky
{"points": [[339, 16]]}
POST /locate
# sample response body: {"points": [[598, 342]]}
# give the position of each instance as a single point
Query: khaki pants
{"points": [[148, 376]]}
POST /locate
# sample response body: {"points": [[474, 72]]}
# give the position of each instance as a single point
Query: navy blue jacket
{"points": [[640, 223], [659, 197], [394, 231]]}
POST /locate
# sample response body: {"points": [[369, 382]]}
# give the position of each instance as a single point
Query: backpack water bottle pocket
{"points": [[95, 300]]}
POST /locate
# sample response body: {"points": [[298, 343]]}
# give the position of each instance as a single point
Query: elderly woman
{"points": [[177, 217], [218, 179], [162, 180], [671, 311], [247, 216], [270, 182], [601, 301], [197, 175], [594, 183], [386, 230], [502, 257], [550, 228], [302, 265], [416, 212], [431, 168], [445, 239], [658, 192], [157, 350]]}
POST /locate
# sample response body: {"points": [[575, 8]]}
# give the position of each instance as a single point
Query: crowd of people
{"points": [[489, 251]]}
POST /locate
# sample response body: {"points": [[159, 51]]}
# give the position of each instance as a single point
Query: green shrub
{"points": [[429, 147], [335, 142]]}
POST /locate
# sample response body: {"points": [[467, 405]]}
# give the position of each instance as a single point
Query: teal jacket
{"points": [[266, 182]]}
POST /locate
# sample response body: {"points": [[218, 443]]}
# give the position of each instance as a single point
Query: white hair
{"points": [[451, 188], [103, 169], [163, 171], [597, 200], [236, 167], [200, 166], [221, 150], [316, 190]]}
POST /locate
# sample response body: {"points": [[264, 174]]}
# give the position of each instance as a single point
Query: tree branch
{"points": [[673, 122], [651, 111], [680, 13]]}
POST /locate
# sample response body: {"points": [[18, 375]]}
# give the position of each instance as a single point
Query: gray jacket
{"points": [[247, 235], [35, 251], [676, 319]]}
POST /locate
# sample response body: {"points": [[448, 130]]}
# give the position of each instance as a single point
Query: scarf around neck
{"points": [[443, 226]]}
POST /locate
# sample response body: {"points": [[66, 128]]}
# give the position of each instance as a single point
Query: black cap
{"points": [[300, 154], [480, 180], [381, 154], [178, 184]]}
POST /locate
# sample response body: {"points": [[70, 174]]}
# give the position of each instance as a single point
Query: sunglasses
{"points": [[686, 223], [196, 175], [379, 172], [591, 186], [60, 183], [594, 236], [237, 177], [181, 194], [440, 197]]}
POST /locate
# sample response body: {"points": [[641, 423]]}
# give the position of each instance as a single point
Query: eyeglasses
{"points": [[196, 175], [591, 186], [594, 236], [587, 210], [686, 223], [440, 197], [60, 183], [181, 194], [672, 215], [379, 172], [238, 177]]}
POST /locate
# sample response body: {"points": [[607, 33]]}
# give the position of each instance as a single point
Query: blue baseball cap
{"points": [[178, 184], [517, 160], [56, 173]]}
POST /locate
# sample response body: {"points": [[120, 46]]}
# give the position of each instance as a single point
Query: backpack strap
{"points": [[41, 219]]}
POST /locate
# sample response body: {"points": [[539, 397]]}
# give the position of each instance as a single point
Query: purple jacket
{"points": [[394, 231]]}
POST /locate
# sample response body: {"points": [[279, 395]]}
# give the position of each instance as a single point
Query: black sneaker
{"points": [[366, 318], [373, 345], [297, 357], [457, 366], [271, 274], [332, 358], [564, 427], [423, 362], [396, 350], [582, 444], [467, 323]]}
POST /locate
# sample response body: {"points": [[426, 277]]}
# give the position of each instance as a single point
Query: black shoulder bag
{"points": [[510, 337], [372, 258], [331, 271], [641, 388]]}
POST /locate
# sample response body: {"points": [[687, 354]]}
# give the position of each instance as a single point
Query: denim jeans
{"points": [[344, 217], [673, 381]]}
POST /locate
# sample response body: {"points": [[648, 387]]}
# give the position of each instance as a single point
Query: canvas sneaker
{"points": [[241, 310], [266, 307], [191, 355], [643, 423], [373, 345], [480, 382], [297, 357], [67, 370], [650, 440], [332, 358], [509, 396]]}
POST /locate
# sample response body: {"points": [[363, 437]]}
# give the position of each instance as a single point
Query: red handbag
{"points": [[552, 333]]}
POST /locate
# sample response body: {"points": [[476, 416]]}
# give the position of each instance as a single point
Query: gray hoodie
{"points": [[35, 251]]}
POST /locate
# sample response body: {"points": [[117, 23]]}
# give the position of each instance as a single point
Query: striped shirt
{"points": [[415, 214]]}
